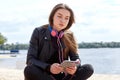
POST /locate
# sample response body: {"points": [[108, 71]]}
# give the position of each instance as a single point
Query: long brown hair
{"points": [[68, 37]]}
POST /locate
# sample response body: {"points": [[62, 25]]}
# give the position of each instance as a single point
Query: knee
{"points": [[35, 73], [84, 72], [30, 71], [88, 68], [27, 71]]}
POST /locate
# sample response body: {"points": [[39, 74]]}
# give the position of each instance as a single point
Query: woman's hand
{"points": [[71, 70], [56, 68]]}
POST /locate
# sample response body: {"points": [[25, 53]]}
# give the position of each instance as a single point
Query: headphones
{"points": [[54, 32]]}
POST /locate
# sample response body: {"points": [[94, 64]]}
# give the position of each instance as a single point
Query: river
{"points": [[103, 60]]}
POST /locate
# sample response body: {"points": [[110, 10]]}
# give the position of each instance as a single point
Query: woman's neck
{"points": [[54, 27]]}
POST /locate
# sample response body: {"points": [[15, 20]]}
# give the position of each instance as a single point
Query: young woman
{"points": [[50, 45]]}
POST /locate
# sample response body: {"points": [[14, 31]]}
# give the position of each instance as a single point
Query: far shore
{"points": [[17, 74]]}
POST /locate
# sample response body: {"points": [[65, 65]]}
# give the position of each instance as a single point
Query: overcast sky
{"points": [[96, 20]]}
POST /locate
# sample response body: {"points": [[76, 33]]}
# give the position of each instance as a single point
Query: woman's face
{"points": [[61, 19]]}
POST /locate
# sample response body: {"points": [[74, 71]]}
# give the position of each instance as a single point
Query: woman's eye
{"points": [[59, 16], [66, 18]]}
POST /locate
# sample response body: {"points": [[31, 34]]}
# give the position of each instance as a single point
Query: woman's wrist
{"points": [[48, 69]]}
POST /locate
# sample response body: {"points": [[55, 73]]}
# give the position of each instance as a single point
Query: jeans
{"points": [[34, 73]]}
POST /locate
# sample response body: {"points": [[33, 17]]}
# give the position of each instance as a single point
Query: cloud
{"points": [[96, 20]]}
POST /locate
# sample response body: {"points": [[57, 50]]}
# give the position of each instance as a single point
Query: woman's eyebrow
{"points": [[61, 15]]}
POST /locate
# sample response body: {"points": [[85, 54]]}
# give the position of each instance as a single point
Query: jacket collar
{"points": [[48, 37]]}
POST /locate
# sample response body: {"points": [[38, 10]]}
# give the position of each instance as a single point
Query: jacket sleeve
{"points": [[32, 55], [74, 56]]}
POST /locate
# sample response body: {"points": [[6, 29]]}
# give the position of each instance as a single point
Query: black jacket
{"points": [[40, 49]]}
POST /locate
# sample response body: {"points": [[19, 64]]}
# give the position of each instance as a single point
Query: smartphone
{"points": [[67, 63]]}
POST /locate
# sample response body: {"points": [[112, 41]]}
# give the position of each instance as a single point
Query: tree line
{"points": [[99, 45], [80, 45], [14, 46], [4, 46]]}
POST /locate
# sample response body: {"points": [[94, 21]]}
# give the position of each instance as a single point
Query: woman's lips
{"points": [[61, 24]]}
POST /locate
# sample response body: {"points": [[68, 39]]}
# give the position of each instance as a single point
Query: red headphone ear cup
{"points": [[53, 33]]}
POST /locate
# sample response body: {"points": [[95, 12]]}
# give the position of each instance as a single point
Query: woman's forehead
{"points": [[64, 12]]}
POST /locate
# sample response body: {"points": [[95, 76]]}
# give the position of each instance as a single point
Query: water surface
{"points": [[104, 60]]}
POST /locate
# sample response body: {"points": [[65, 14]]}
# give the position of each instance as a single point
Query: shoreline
{"points": [[5, 56], [17, 74]]}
